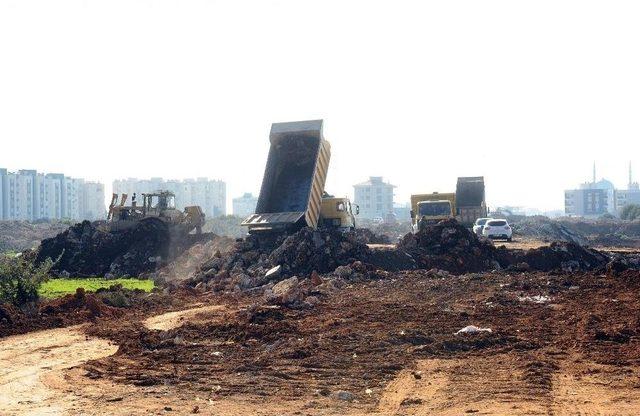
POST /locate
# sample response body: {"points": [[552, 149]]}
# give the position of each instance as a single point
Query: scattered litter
{"points": [[534, 299], [472, 329]]}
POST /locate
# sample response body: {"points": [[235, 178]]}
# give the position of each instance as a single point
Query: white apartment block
{"points": [[28, 195], [210, 195], [244, 205], [374, 197]]}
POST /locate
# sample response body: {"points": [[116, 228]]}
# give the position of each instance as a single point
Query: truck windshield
{"points": [[432, 209]]}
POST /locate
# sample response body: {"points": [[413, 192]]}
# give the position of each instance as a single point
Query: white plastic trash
{"points": [[472, 329]]}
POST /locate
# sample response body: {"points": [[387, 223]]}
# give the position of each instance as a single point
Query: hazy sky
{"points": [[527, 94]]}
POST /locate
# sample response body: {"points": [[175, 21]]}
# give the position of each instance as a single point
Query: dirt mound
{"points": [[600, 232], [258, 260], [546, 229], [560, 255], [87, 250], [22, 235], [449, 246], [186, 265], [367, 236], [80, 307], [80, 302]]}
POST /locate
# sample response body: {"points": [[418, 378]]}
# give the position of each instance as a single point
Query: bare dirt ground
{"points": [[560, 343]]}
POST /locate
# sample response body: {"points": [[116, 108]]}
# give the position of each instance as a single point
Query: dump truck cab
{"points": [[431, 208], [338, 213]]}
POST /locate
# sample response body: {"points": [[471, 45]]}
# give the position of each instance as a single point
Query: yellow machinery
{"points": [[432, 208], [158, 207], [338, 213]]}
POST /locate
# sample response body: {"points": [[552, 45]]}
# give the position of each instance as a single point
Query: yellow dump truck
{"points": [[431, 208], [294, 178], [338, 213]]}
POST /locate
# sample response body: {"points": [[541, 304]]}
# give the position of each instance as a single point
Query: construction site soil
{"points": [[318, 322], [84, 307], [86, 249], [501, 340]]}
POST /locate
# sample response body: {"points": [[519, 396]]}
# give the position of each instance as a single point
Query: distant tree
{"points": [[631, 212], [607, 216]]}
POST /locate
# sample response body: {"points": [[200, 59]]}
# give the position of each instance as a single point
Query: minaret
{"points": [[630, 176], [594, 172]]}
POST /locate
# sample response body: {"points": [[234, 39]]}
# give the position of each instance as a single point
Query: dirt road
{"points": [[31, 364]]}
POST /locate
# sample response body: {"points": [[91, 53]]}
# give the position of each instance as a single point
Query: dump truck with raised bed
{"points": [[470, 199], [294, 178], [431, 208]]}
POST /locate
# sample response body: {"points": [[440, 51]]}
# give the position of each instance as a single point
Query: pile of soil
{"points": [[187, 264], [250, 262], [86, 249], [367, 236], [598, 232], [107, 303], [449, 246], [560, 255], [546, 229]]}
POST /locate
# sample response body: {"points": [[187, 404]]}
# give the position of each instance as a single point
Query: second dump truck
{"points": [[467, 204], [432, 208]]}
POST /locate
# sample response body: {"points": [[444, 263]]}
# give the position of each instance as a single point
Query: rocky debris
{"points": [[259, 260], [367, 236], [85, 249], [621, 262], [187, 264], [23, 235], [449, 246], [565, 256], [546, 229], [599, 232]]}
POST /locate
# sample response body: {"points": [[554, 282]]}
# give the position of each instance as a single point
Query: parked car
{"points": [[479, 225], [497, 229]]}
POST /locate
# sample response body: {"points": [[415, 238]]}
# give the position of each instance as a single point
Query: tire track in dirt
{"points": [[33, 366], [25, 360]]}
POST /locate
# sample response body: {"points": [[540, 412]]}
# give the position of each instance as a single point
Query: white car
{"points": [[497, 229], [479, 225]]}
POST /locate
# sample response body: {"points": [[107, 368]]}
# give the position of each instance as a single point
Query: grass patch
{"points": [[54, 288]]}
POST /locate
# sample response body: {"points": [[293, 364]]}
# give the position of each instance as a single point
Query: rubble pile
{"points": [[449, 246], [546, 229], [187, 264], [559, 255], [85, 249], [259, 260], [600, 232], [367, 236]]}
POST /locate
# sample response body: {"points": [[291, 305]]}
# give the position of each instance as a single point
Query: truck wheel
{"points": [[509, 239]]}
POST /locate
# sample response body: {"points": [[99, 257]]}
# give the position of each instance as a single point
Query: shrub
{"points": [[630, 212], [20, 280]]}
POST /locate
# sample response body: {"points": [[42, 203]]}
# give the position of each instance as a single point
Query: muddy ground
{"points": [[559, 344]]}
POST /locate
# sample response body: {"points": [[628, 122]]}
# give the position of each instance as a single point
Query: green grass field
{"points": [[55, 288]]}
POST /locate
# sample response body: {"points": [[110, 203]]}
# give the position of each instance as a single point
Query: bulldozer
{"points": [[158, 209]]}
